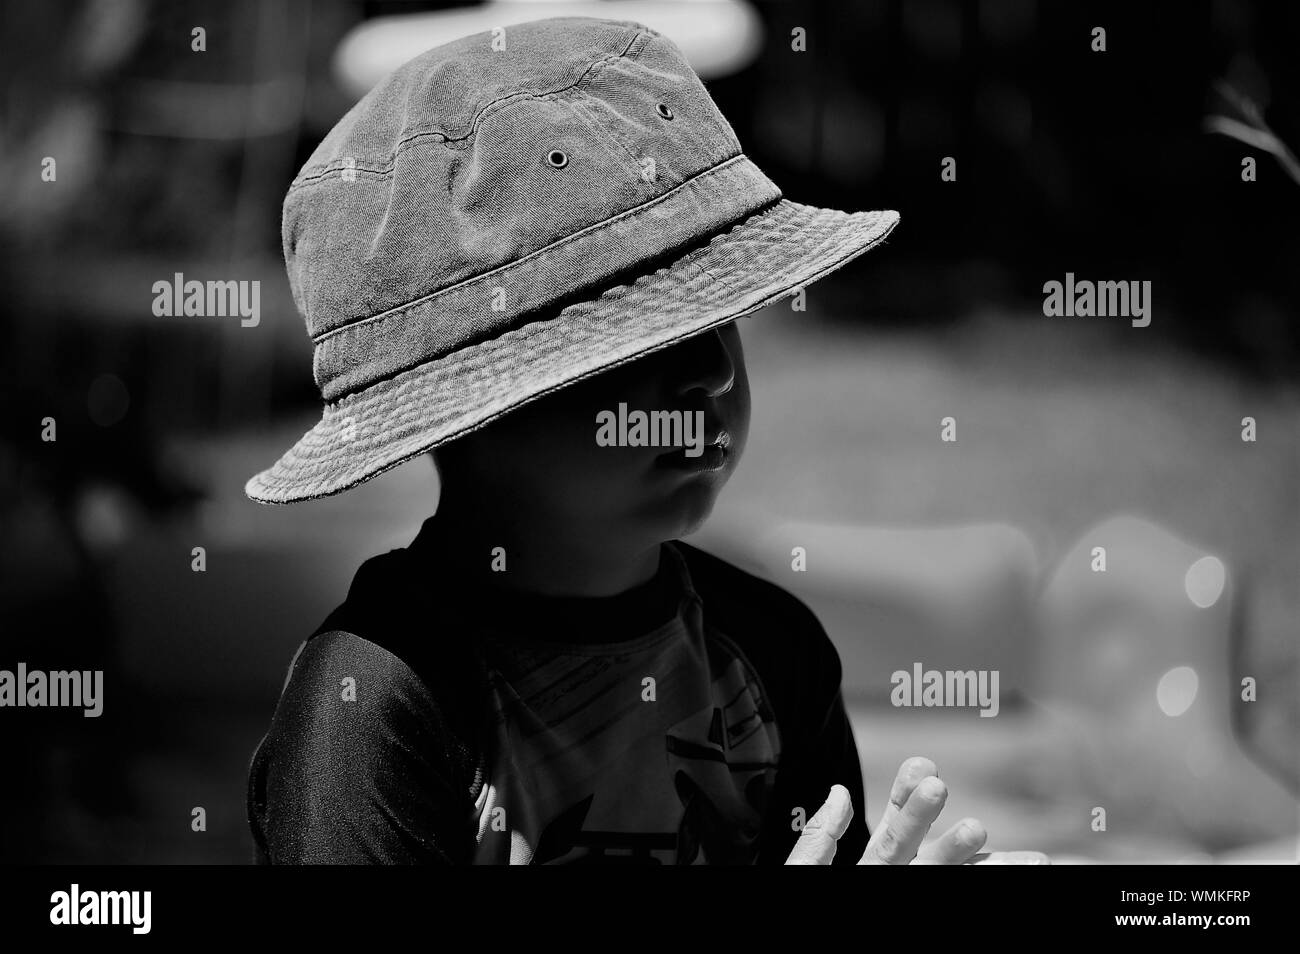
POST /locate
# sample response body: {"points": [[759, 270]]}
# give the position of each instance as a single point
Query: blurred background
{"points": [[1121, 690]]}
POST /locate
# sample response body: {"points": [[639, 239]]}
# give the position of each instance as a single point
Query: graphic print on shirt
{"points": [[587, 771]]}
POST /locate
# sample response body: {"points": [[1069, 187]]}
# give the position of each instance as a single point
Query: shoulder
{"points": [[777, 630], [357, 765], [386, 673], [345, 701], [729, 590], [337, 666], [399, 623], [387, 670], [373, 751]]}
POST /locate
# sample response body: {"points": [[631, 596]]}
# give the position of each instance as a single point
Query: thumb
{"points": [[817, 842]]}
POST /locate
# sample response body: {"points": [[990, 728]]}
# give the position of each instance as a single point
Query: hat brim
{"points": [[769, 255]]}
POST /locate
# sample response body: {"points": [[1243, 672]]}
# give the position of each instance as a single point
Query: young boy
{"points": [[513, 241]]}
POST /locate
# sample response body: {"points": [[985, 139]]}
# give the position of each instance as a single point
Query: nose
{"points": [[704, 363]]}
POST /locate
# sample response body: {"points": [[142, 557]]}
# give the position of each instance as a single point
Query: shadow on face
{"points": [[544, 463]]}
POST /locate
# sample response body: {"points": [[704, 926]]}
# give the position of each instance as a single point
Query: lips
{"points": [[716, 433], [715, 454], [715, 436]]}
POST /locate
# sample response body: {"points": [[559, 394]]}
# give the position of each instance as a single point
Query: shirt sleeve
{"points": [[355, 768], [821, 749], [835, 761]]}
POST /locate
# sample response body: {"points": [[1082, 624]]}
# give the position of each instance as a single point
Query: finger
{"points": [[956, 846], [1010, 858], [822, 832], [900, 840], [909, 774]]}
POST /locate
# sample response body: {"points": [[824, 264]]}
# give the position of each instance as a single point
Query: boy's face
{"points": [[544, 459]]}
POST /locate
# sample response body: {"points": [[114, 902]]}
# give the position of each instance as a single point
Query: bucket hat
{"points": [[515, 211]]}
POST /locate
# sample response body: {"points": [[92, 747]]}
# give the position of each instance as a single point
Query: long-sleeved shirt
{"points": [[695, 719]]}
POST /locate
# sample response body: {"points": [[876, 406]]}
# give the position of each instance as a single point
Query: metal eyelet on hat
{"points": [[664, 111], [558, 158]]}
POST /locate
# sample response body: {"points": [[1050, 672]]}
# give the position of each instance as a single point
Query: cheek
{"points": [[737, 410], [562, 446]]}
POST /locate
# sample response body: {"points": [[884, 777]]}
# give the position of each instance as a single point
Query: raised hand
{"points": [[916, 799]]}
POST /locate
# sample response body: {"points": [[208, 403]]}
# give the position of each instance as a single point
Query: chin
{"points": [[687, 509]]}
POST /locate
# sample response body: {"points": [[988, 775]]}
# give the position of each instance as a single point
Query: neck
{"points": [[548, 557]]}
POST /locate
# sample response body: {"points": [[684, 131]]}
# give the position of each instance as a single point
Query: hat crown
{"points": [[493, 176]]}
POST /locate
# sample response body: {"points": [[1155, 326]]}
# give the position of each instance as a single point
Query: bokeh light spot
{"points": [[1176, 690], [1204, 581]]}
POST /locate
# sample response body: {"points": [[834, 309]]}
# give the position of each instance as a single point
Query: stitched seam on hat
{"points": [[649, 35], [510, 98], [328, 170], [595, 122], [502, 102], [709, 274], [688, 259], [397, 310]]}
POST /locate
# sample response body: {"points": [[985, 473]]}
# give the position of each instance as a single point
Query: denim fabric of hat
{"points": [[494, 221]]}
